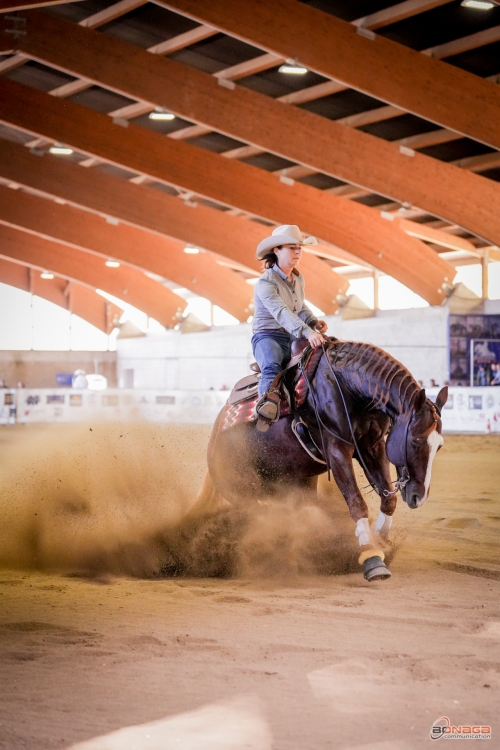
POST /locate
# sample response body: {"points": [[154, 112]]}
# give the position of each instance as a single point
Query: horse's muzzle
{"points": [[414, 495]]}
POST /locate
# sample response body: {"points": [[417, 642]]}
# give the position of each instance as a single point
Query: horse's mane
{"points": [[373, 373]]}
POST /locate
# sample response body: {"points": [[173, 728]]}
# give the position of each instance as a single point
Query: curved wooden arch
{"points": [[384, 69], [351, 226], [335, 149], [135, 247], [164, 215], [69, 295], [125, 283]]}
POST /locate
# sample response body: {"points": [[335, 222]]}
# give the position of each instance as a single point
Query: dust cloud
{"points": [[114, 499]]}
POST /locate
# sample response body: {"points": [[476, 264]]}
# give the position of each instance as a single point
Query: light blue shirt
{"points": [[279, 303]]}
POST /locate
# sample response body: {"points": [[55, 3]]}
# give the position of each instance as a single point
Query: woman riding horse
{"points": [[280, 313]]}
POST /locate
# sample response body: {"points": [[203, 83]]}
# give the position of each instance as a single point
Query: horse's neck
{"points": [[374, 375]]}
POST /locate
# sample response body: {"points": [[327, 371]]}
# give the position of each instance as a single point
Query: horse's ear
{"points": [[442, 397], [420, 399]]}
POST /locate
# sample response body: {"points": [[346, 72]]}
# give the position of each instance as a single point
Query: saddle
{"points": [[292, 388]]}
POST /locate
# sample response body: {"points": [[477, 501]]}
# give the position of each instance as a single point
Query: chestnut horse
{"points": [[361, 403]]}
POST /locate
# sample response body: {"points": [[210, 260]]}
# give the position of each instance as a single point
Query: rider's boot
{"points": [[267, 407]]}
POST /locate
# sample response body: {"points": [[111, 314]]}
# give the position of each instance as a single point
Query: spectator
{"points": [[79, 380], [20, 384], [495, 371], [3, 384], [433, 384], [421, 383], [482, 375]]}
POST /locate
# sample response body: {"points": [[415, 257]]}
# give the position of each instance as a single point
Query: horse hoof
{"points": [[374, 569]]}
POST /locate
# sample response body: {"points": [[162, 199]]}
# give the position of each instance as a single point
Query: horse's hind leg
{"points": [[208, 501]]}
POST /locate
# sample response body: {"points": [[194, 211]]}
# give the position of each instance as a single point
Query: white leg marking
{"points": [[435, 440], [383, 525], [363, 532]]}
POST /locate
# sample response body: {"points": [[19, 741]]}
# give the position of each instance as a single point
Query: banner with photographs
{"points": [[465, 329]]}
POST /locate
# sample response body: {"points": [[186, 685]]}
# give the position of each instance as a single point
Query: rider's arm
{"points": [[267, 293], [312, 321], [307, 316]]}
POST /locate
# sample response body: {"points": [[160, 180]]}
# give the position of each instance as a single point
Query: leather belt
{"points": [[271, 330]]}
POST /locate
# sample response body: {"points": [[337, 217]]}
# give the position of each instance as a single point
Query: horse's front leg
{"points": [[378, 467], [371, 556]]}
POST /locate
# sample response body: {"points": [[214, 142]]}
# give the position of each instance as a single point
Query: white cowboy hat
{"points": [[286, 234]]}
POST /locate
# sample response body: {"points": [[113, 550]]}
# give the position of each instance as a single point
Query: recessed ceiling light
{"points": [[478, 4], [46, 275], [61, 150], [112, 264], [160, 115], [293, 70], [191, 250]]}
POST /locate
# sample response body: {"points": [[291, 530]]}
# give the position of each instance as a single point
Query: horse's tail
{"points": [[208, 501]]}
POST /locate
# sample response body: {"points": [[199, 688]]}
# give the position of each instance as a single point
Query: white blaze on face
{"points": [[434, 441]]}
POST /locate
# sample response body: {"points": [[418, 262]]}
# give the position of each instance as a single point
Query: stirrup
{"points": [[267, 409]]}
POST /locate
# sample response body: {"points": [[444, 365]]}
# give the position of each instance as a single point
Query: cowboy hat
{"points": [[286, 234]]}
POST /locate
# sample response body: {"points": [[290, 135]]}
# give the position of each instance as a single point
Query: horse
{"points": [[360, 403]]}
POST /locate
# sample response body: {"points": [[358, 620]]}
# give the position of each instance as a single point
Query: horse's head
{"points": [[413, 443]]}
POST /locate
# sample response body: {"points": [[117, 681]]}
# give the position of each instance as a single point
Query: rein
{"points": [[402, 479]]}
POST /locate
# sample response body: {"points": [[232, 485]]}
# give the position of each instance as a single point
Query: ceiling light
{"points": [[161, 115], [478, 4], [46, 275], [293, 70], [112, 264], [191, 250], [61, 150]]}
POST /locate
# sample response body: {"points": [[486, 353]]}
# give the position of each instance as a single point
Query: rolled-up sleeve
{"points": [[296, 325]]}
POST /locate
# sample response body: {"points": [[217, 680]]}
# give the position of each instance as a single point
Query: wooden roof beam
{"points": [[464, 44], [135, 247], [247, 68], [436, 236], [167, 217], [379, 67], [102, 314], [125, 283], [69, 295], [240, 249], [8, 6], [399, 12], [353, 227], [361, 159]]}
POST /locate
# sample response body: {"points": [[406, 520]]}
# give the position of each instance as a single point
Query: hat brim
{"points": [[269, 243]]}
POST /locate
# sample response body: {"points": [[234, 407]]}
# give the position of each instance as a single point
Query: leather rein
{"points": [[403, 477]]}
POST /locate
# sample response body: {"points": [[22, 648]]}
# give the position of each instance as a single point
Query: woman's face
{"points": [[288, 255]]}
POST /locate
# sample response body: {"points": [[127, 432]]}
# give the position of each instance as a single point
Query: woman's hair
{"points": [[270, 259]]}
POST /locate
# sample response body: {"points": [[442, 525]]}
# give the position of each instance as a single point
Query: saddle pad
{"points": [[243, 410]]}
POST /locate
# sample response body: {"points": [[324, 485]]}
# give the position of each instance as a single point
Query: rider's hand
{"points": [[321, 326], [316, 339]]}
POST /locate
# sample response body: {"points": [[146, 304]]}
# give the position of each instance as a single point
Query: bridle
{"points": [[399, 457]]}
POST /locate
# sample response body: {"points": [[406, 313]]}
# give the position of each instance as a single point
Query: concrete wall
{"points": [[217, 358], [174, 360], [37, 369]]}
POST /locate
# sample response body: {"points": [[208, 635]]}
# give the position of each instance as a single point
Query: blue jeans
{"points": [[272, 351]]}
